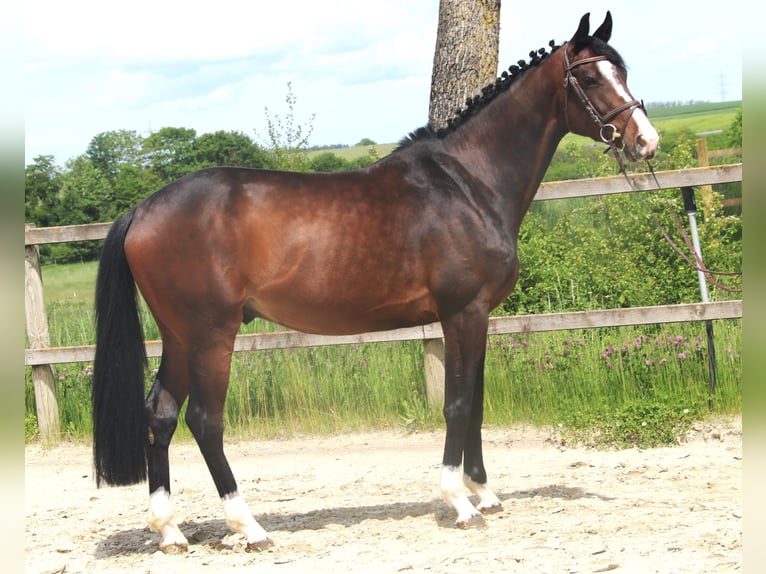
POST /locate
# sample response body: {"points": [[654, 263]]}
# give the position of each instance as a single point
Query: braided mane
{"points": [[476, 103]]}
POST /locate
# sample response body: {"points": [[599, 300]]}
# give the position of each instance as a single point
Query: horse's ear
{"points": [[604, 31], [582, 31]]}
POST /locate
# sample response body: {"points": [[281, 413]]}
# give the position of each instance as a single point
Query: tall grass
{"points": [[328, 389], [548, 377], [538, 378]]}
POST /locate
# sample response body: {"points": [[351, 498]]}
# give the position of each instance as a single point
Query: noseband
{"points": [[608, 131]]}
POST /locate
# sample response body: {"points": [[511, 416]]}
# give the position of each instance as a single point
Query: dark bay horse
{"points": [[426, 234]]}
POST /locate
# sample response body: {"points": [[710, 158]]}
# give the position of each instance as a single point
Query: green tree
{"points": [[86, 196], [328, 162], [734, 133], [86, 193], [169, 152], [131, 185], [228, 148], [41, 189], [110, 151]]}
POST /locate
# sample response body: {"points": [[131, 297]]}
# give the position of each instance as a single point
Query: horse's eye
{"points": [[590, 81]]}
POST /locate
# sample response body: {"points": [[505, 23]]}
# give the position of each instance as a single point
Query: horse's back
{"points": [[371, 249]]}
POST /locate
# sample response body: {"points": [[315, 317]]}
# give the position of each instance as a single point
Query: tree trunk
{"points": [[466, 54]]}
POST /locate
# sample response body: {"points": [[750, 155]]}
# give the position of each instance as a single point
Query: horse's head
{"points": [[597, 102]]}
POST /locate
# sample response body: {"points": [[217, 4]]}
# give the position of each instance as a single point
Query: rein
{"points": [[697, 264], [611, 136]]}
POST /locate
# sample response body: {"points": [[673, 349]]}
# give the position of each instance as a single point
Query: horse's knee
{"points": [[457, 412]]}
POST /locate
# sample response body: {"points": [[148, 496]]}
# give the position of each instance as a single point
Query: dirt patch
{"points": [[370, 502]]}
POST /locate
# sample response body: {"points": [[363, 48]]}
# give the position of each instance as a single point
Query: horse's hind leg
{"points": [[162, 406], [209, 371]]}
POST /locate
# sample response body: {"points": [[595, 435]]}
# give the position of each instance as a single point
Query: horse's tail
{"points": [[119, 422]]}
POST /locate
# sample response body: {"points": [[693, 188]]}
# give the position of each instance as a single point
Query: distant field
{"points": [[353, 152], [694, 109], [695, 118]]}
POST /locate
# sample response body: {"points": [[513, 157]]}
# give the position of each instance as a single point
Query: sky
{"points": [[361, 69]]}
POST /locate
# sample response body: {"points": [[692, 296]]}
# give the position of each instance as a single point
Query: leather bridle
{"points": [[607, 130]]}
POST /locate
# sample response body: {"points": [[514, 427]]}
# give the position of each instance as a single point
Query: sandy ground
{"points": [[370, 503]]}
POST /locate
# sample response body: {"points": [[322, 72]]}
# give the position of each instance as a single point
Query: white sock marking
{"points": [[453, 491], [487, 498], [162, 520], [240, 519]]}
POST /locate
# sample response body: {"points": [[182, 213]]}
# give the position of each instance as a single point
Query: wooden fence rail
{"points": [[287, 339], [40, 356], [692, 177]]}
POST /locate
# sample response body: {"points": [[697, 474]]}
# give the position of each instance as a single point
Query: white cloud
{"points": [[123, 89], [171, 30], [217, 97], [702, 46]]}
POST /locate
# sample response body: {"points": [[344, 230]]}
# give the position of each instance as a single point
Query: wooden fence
{"points": [[704, 156], [40, 356]]}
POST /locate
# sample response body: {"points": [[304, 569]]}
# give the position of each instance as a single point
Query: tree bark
{"points": [[465, 59]]}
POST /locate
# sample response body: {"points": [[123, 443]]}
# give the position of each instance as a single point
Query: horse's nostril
{"points": [[646, 146]]}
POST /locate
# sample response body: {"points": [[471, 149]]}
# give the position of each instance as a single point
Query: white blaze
{"points": [[647, 135]]}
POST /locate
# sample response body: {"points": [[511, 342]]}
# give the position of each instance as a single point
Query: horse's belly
{"points": [[344, 313]]}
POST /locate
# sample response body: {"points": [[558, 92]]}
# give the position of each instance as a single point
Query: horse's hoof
{"points": [[175, 548], [473, 521], [259, 545], [490, 509]]}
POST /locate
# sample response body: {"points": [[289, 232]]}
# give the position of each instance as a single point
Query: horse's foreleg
{"points": [[474, 475], [162, 417], [204, 415], [465, 338], [207, 428]]}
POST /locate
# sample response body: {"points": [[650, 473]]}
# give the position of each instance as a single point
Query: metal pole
{"points": [[690, 206]]}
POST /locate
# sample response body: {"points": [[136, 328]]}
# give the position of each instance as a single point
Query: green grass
{"points": [[698, 109], [71, 282], [583, 380], [698, 123]]}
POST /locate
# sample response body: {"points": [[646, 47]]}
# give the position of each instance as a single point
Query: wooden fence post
{"points": [[705, 190], [39, 338], [433, 357]]}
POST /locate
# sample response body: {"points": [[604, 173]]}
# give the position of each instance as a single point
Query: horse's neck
{"points": [[510, 143]]}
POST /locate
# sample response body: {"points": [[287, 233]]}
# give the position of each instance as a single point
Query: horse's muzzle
{"points": [[646, 145]]}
